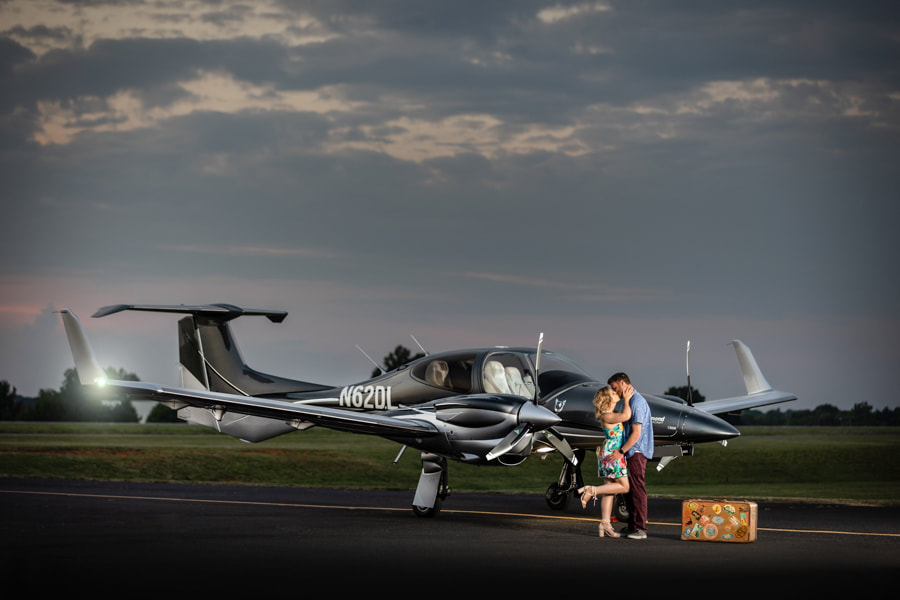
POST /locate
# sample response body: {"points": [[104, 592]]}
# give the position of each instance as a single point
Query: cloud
{"points": [[626, 175]]}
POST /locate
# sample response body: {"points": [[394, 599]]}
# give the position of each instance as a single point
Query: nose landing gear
{"points": [[559, 492], [570, 481]]}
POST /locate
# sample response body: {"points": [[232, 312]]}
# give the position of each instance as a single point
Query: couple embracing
{"points": [[622, 459]]}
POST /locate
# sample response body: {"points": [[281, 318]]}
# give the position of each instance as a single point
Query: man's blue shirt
{"points": [[640, 413]]}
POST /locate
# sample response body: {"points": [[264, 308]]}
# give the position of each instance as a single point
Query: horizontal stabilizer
{"points": [[218, 312]]}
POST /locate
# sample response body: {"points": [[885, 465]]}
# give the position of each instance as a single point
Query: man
{"points": [[638, 449]]}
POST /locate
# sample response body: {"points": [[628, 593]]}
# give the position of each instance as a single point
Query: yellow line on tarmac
{"points": [[379, 508]]}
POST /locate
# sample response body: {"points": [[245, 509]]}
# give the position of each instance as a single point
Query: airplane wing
{"points": [[332, 418], [90, 373], [759, 392]]}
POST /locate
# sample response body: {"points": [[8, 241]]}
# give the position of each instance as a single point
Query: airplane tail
{"points": [[208, 355], [759, 392], [86, 366]]}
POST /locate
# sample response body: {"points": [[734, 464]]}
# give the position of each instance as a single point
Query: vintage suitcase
{"points": [[718, 520]]}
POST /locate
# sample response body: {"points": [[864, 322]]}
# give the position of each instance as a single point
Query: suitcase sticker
{"points": [[718, 521]]}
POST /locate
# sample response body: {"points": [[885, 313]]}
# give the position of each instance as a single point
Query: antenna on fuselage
{"points": [[419, 345], [377, 366]]}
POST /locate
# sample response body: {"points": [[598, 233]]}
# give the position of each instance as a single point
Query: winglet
{"points": [[753, 377], [89, 370]]}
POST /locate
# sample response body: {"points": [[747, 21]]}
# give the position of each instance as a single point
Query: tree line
{"points": [[825, 415], [72, 402]]}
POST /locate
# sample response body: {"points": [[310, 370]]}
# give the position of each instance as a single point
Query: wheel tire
{"points": [[620, 509], [556, 498], [426, 512]]}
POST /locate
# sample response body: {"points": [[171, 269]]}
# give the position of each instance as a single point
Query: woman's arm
{"points": [[621, 417]]}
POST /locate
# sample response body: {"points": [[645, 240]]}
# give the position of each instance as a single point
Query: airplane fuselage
{"points": [[569, 394]]}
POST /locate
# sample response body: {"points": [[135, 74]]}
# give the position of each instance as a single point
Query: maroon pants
{"points": [[636, 498]]}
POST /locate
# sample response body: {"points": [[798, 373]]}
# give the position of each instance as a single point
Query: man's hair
{"points": [[619, 377]]}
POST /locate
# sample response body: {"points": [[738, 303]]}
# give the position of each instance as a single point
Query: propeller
{"points": [[549, 435], [687, 362], [534, 419], [537, 368]]}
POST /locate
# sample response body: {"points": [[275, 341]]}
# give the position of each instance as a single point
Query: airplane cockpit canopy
{"points": [[503, 371], [557, 371], [449, 371]]}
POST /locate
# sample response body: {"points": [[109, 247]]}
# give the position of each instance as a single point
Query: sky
{"points": [[623, 177]]}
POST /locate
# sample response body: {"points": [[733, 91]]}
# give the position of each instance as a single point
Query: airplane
{"points": [[485, 406]]}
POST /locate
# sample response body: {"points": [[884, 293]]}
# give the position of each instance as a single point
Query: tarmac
{"points": [[115, 537]]}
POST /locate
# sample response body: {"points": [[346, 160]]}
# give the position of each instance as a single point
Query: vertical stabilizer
{"points": [[753, 377], [86, 365]]}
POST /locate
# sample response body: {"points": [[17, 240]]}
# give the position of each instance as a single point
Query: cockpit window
{"points": [[557, 371], [452, 372], [507, 373]]}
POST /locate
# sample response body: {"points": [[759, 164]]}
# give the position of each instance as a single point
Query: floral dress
{"points": [[606, 468]]}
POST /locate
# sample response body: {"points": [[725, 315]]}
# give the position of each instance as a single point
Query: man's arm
{"points": [[631, 441]]}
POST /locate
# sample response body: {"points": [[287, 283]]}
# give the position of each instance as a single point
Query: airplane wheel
{"points": [[620, 509], [556, 498], [424, 511]]}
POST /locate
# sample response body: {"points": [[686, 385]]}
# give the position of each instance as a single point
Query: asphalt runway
{"points": [[150, 536]]}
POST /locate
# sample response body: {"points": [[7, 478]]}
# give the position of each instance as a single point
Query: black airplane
{"points": [[485, 406]]}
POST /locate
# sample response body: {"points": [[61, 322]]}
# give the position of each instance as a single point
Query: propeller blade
{"points": [[537, 368], [560, 443], [509, 442], [531, 418]]}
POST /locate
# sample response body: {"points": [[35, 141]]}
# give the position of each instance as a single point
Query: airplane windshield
{"points": [[557, 371]]}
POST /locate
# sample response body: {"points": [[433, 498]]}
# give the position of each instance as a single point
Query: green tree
{"points": [[162, 414], [8, 404], [74, 402], [682, 392], [862, 414], [399, 357]]}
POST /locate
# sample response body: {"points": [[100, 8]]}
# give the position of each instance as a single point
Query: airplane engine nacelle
{"points": [[475, 427]]}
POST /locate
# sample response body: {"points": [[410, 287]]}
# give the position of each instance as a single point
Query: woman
{"points": [[613, 472]]}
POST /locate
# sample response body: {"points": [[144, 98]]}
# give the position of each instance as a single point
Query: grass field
{"points": [[857, 465]]}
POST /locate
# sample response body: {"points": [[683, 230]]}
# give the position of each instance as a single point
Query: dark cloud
{"points": [[627, 174]]}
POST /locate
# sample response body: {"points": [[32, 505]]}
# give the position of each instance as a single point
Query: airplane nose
{"points": [[702, 427], [538, 416]]}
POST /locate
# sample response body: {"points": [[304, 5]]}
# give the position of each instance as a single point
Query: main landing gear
{"points": [[432, 488]]}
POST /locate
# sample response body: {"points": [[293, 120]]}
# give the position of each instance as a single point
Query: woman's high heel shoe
{"points": [[605, 528], [587, 492]]}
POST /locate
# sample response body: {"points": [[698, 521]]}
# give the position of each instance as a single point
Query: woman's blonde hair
{"points": [[604, 401]]}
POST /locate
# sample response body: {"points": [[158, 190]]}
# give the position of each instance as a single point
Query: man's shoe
{"points": [[637, 535]]}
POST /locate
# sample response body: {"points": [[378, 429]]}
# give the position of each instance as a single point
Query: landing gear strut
{"points": [[432, 488], [570, 480]]}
